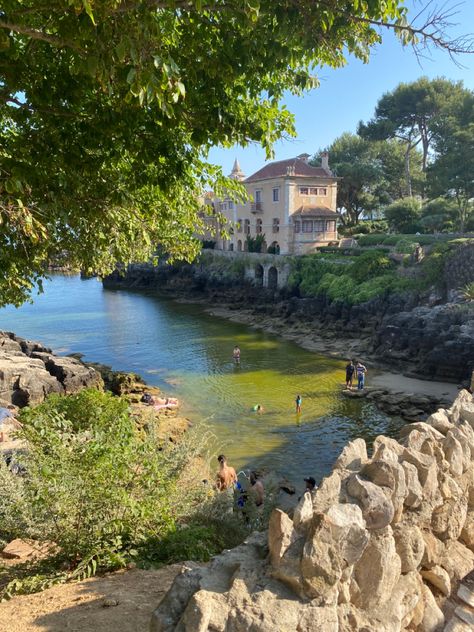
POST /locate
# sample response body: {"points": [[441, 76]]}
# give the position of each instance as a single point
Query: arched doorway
{"points": [[274, 248], [239, 245], [258, 275], [272, 278]]}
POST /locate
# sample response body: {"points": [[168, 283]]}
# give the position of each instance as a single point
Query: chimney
{"points": [[303, 157], [325, 160]]}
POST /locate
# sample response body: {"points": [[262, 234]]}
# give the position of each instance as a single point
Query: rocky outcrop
{"points": [[385, 544], [29, 372]]}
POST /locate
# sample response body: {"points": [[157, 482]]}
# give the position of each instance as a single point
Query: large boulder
{"points": [[377, 571], [337, 541], [377, 508], [409, 545]]}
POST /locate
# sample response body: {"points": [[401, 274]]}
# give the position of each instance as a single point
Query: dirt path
{"points": [[82, 607]]}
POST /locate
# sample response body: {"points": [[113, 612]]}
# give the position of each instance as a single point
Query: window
{"points": [[239, 225], [223, 206], [331, 226], [297, 226], [258, 196], [307, 226], [319, 226], [230, 205], [276, 194], [258, 227], [313, 191], [276, 225], [247, 227]]}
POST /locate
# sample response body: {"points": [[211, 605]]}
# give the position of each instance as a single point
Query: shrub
{"points": [[255, 244], [468, 291]]}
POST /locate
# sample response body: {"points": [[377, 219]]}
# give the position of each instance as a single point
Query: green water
{"points": [[188, 353]]}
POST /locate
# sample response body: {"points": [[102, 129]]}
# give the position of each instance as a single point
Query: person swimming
{"points": [[258, 409]]}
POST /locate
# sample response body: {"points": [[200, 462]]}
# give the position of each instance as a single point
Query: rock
{"points": [[18, 550], [377, 572], [433, 617], [166, 617], [466, 412], [466, 592], [423, 428], [403, 605], [110, 602], [30, 372], [467, 533], [457, 560], [414, 490], [303, 513], [439, 578], [353, 456], [427, 471], [323, 619], [464, 397], [448, 520], [327, 493], [453, 453], [409, 545], [377, 509], [337, 540], [440, 421], [434, 550], [390, 475], [281, 534]]}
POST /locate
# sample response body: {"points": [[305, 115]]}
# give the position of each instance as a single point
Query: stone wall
{"points": [[29, 372], [459, 270], [385, 544]]}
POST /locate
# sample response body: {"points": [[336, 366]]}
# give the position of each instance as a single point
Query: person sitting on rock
{"points": [[226, 476]]}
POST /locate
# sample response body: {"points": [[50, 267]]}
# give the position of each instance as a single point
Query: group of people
{"points": [[357, 369], [227, 479]]}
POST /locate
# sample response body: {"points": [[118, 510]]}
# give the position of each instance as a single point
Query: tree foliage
{"points": [[371, 174], [403, 215], [411, 113], [108, 108]]}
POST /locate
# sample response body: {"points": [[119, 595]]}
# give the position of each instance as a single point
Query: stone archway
{"points": [[258, 275], [272, 278]]}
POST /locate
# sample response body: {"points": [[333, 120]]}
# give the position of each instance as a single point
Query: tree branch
{"points": [[37, 35]]}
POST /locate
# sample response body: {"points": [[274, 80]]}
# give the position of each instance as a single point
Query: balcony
{"points": [[256, 207]]}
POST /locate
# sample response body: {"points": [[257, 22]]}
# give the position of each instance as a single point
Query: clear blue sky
{"points": [[348, 95]]}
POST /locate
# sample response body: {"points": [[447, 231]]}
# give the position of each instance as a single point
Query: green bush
{"points": [[406, 246]]}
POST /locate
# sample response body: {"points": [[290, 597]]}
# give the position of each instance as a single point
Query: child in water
{"points": [[298, 401]]}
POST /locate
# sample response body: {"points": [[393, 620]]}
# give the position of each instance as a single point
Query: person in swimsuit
{"points": [[298, 401], [361, 371], [257, 489], [236, 354], [226, 475]]}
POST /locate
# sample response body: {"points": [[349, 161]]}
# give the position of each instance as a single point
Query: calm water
{"points": [[189, 355]]}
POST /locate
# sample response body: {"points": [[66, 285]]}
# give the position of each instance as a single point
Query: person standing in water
{"points": [[298, 401], [236, 354], [350, 368], [226, 475], [361, 371]]}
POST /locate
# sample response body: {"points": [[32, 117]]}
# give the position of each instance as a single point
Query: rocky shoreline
{"points": [[419, 334], [385, 544]]}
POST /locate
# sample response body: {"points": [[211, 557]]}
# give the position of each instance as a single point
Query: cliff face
{"points": [[386, 544], [29, 372]]}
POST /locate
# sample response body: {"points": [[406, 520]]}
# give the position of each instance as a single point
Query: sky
{"points": [[348, 95]]}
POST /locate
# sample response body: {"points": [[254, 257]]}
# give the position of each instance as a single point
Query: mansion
{"points": [[291, 204]]}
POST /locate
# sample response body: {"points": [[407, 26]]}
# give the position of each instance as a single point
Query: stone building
{"points": [[291, 203]]}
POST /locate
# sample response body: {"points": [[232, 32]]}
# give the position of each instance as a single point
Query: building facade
{"points": [[291, 203]]}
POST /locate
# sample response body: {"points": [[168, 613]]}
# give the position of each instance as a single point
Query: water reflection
{"points": [[189, 354]]}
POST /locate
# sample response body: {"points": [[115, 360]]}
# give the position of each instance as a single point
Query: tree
{"points": [[108, 109], [451, 174], [409, 113], [403, 215], [370, 173], [439, 215]]}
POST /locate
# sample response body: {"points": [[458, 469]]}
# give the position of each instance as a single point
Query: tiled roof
{"points": [[315, 211], [293, 167]]}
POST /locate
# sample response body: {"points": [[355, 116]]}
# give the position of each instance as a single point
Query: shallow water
{"points": [[188, 353]]}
